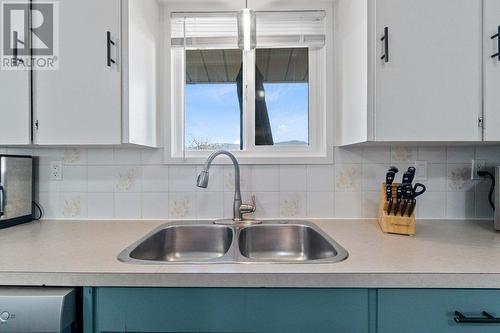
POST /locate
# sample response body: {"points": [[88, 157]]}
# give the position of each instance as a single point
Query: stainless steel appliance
{"points": [[30, 310], [16, 190]]}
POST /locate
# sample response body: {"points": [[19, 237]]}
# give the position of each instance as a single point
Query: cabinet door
{"points": [[491, 70], [430, 88], [422, 311], [79, 103], [230, 310], [15, 114]]}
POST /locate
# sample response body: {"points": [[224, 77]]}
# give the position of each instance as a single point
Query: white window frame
{"points": [[321, 96]]}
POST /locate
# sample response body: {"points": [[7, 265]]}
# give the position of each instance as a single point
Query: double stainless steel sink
{"points": [[208, 242]]}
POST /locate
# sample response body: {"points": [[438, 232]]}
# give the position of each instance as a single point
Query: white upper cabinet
{"points": [[94, 98], [80, 102], [15, 123], [423, 70], [491, 70]]}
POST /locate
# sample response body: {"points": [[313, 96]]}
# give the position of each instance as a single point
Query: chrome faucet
{"points": [[238, 207]]}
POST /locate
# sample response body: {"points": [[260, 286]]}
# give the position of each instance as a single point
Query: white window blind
{"points": [[274, 29], [204, 30], [290, 29]]}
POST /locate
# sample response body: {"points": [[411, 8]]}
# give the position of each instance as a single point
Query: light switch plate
{"points": [[421, 167]]}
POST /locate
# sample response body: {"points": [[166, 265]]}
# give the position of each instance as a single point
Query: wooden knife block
{"points": [[394, 224]]}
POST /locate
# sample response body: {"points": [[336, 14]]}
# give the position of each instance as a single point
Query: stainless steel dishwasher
{"points": [[40, 310]]}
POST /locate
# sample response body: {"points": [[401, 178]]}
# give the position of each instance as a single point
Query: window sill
{"points": [[268, 158]]}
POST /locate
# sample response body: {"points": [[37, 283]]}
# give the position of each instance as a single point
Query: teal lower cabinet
{"points": [[226, 310], [156, 310], [433, 311]]}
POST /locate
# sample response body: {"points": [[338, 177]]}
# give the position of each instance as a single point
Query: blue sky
{"points": [[212, 112]]}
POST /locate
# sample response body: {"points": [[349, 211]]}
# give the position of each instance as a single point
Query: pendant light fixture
{"points": [[246, 29]]}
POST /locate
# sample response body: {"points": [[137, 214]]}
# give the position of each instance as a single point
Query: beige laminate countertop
{"points": [[443, 254]]}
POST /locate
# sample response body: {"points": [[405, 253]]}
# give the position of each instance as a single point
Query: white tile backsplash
{"points": [[293, 178], [155, 205], [134, 183]]}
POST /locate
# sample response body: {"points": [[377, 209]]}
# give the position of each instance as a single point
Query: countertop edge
{"points": [[260, 280]]}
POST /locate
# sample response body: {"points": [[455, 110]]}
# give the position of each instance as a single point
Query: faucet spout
{"points": [[203, 179]]}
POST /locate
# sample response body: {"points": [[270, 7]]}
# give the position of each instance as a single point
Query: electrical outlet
{"points": [[477, 165], [421, 174], [56, 170]]}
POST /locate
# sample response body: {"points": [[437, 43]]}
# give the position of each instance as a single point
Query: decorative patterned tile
{"points": [[459, 177], [73, 205], [128, 179], [348, 178], [292, 205], [401, 154], [74, 156], [182, 205]]}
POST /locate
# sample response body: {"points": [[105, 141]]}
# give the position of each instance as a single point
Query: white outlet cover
{"points": [[55, 170], [421, 174], [477, 165]]}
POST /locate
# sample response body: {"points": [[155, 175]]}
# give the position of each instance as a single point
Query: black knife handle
{"points": [[412, 171], [389, 177], [407, 178]]}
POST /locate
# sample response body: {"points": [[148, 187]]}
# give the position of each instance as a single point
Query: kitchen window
{"points": [[266, 105]]}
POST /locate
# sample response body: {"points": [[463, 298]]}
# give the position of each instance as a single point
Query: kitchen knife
{"points": [[407, 197], [399, 195], [389, 179], [412, 172]]}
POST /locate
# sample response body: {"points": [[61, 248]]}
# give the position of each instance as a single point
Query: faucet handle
{"points": [[249, 208]]}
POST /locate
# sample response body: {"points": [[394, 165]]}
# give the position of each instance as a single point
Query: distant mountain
{"points": [[291, 143]]}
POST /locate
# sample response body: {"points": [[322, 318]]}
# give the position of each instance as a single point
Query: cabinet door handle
{"points": [[497, 36], [110, 43], [385, 39], [487, 318], [2, 201], [15, 54]]}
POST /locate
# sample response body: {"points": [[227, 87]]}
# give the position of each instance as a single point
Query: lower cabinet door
{"points": [[433, 311], [230, 310]]}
